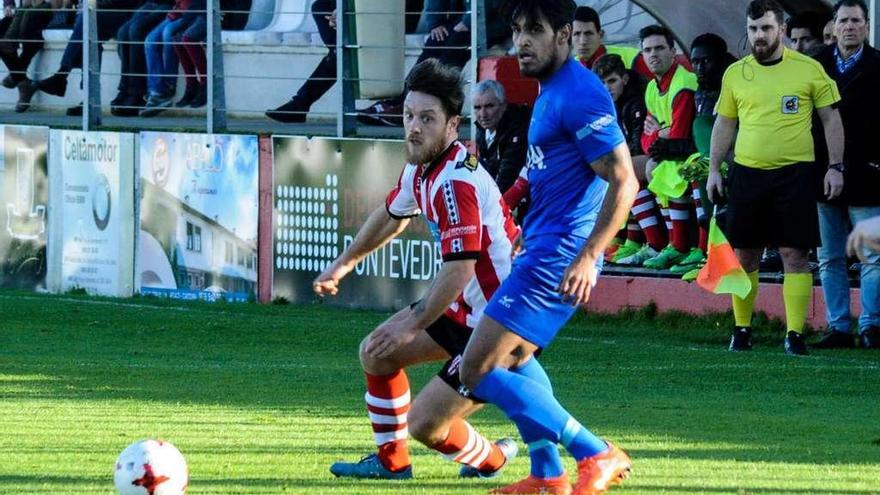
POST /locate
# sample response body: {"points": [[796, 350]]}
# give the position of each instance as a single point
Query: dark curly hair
{"points": [[441, 81]]}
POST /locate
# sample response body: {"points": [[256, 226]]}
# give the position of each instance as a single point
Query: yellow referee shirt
{"points": [[774, 105]]}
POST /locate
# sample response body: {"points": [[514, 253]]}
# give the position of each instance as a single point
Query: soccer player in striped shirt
{"points": [[464, 210]]}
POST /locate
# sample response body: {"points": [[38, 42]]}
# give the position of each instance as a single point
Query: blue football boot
{"points": [[369, 467]]}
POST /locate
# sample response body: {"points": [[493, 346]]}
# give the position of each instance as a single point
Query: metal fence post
{"points": [[478, 40], [346, 123], [216, 112], [91, 68]]}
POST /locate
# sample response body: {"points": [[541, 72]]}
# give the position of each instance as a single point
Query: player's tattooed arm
{"points": [[450, 282]]}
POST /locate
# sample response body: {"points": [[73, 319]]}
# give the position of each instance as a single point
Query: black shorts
{"points": [[453, 338], [772, 208]]}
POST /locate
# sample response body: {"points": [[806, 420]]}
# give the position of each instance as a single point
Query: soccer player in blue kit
{"points": [[582, 186]]}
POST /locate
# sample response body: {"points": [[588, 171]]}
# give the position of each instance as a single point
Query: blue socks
{"points": [[544, 454], [537, 413]]}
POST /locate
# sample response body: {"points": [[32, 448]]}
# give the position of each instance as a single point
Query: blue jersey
{"points": [[573, 124]]}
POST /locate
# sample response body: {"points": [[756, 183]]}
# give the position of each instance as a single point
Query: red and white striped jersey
{"points": [[468, 217]]}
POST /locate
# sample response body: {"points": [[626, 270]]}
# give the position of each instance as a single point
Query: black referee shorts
{"points": [[772, 208]]}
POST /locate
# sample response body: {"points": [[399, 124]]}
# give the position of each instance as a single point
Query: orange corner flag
{"points": [[722, 273]]}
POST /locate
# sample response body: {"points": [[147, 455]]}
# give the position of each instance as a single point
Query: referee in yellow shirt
{"points": [[772, 95]]}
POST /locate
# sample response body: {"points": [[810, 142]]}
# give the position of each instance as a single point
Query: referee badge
{"points": [[790, 104]]}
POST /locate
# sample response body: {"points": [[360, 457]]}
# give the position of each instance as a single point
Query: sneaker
{"points": [[639, 257], [507, 446], [628, 249], [741, 339], [155, 105], [192, 90], [794, 344], [598, 473], [834, 339], [292, 112], [120, 97], [201, 98], [692, 275], [612, 249], [130, 106], [55, 84], [26, 91], [693, 259], [665, 259], [532, 485], [75, 111], [369, 467], [870, 338], [385, 113]]}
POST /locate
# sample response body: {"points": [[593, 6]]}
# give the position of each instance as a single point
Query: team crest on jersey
{"points": [[790, 104], [471, 163]]}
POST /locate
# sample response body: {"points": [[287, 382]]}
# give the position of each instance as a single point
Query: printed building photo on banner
{"points": [[198, 211], [24, 200], [91, 245], [323, 192]]}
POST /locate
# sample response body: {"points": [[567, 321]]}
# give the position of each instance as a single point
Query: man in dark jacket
{"points": [[502, 133], [855, 66]]}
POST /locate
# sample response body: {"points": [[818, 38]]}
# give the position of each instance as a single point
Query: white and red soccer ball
{"points": [[151, 467]]}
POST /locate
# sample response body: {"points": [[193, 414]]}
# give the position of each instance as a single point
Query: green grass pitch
{"points": [[261, 399]]}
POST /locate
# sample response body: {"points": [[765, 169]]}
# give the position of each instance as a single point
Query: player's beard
{"points": [[542, 71], [764, 52], [425, 152]]}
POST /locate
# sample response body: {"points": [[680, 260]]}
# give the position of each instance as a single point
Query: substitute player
{"points": [[464, 209], [582, 185]]}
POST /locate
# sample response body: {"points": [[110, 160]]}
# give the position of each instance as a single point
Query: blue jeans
{"points": [[834, 227], [161, 57]]}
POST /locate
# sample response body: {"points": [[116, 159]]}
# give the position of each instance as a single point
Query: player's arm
{"points": [[722, 139], [834, 138], [379, 228], [617, 170]]}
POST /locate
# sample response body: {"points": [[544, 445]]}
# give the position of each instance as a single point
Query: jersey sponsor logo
{"points": [[535, 158], [790, 104], [596, 125], [451, 204], [461, 231]]}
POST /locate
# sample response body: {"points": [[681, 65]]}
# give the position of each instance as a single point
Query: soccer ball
{"points": [[151, 467]]}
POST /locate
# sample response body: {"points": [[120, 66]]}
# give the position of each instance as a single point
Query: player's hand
{"points": [[578, 280], [439, 33], [864, 238], [460, 27], [833, 183], [651, 125], [714, 186], [327, 283], [389, 337], [331, 19]]}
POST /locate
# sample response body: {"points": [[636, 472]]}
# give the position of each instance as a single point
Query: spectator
{"points": [[772, 94], [22, 27], [855, 66], [805, 32], [588, 41], [133, 64], [627, 89], [109, 16], [669, 99], [322, 78], [194, 63], [448, 41], [502, 133], [828, 37], [161, 55]]}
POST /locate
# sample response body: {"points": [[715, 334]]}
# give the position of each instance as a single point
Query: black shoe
{"points": [[75, 111], [870, 338], [741, 339], [54, 85], [26, 90], [201, 98], [292, 112], [192, 90], [115, 102], [771, 261], [833, 339], [794, 344], [130, 106], [9, 82]]}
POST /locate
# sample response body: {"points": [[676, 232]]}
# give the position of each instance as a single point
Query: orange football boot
{"points": [[538, 486], [598, 473]]}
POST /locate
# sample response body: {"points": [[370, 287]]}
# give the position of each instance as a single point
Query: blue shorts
{"points": [[528, 303]]}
